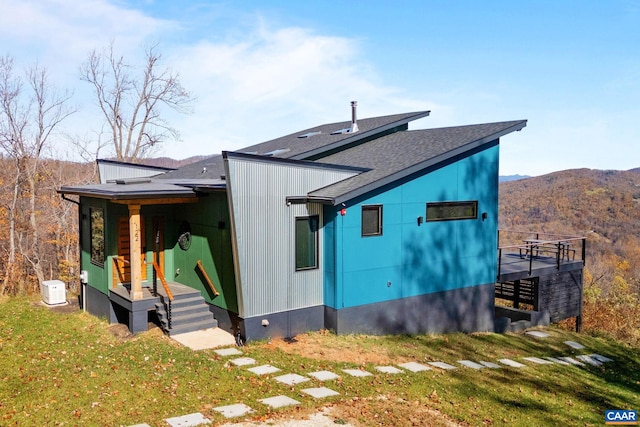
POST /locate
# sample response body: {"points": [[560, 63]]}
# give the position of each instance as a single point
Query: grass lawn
{"points": [[70, 369]]}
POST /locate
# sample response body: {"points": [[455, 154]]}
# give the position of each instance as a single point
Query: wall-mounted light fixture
{"points": [[419, 221], [484, 216]]}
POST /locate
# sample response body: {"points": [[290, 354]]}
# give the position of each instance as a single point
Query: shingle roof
{"points": [[401, 154], [292, 147]]}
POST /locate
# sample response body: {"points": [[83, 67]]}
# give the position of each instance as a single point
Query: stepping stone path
{"points": [[537, 334], [511, 363], [442, 365], [228, 352], [264, 370], [232, 411], [490, 365], [471, 364], [240, 409], [279, 401], [320, 392], [188, 420], [574, 345], [357, 372], [324, 375], [538, 360], [388, 369], [291, 379], [243, 361], [414, 367]]}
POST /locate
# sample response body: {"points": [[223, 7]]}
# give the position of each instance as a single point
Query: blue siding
{"points": [[410, 260]]}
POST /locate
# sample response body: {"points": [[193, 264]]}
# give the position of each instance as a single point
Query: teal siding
{"points": [[410, 260]]}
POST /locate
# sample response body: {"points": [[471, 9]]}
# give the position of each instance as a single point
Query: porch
{"points": [[177, 307], [539, 278]]}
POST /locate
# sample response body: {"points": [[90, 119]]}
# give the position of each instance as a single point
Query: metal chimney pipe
{"points": [[354, 123]]}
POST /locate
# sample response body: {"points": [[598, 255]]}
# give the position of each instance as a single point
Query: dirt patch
{"points": [[315, 346], [377, 411]]}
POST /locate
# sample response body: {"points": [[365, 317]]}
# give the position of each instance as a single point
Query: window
{"points": [[445, 211], [372, 220], [307, 242], [97, 236]]}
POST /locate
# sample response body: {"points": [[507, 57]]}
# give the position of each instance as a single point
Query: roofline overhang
{"points": [[358, 136], [109, 195], [430, 163], [301, 200]]}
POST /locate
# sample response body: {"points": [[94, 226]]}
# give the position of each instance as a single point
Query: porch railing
{"points": [[530, 246]]}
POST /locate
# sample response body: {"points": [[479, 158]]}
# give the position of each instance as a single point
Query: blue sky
{"points": [[262, 69]]}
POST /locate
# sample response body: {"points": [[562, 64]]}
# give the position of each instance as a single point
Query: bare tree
{"points": [[132, 104], [28, 117]]}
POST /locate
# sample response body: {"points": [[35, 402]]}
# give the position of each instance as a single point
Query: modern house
{"points": [[359, 226]]}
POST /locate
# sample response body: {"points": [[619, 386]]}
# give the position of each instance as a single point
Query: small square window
{"points": [[372, 220]]}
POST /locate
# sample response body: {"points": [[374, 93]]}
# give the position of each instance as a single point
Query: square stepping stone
{"points": [[588, 359], [601, 358], [263, 370], [190, 420], [538, 360], [490, 365], [571, 361], [414, 367], [291, 379], [471, 364], [388, 369], [232, 411], [243, 361], [574, 345], [442, 365], [558, 361], [511, 363], [537, 334], [324, 375], [279, 401], [320, 392], [228, 352], [357, 372]]}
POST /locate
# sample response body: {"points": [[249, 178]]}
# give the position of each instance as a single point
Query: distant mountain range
{"points": [[603, 205], [506, 178]]}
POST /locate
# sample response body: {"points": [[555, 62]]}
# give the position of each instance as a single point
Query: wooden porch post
{"points": [[136, 253]]}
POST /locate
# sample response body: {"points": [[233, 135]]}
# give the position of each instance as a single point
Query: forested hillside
{"points": [[603, 206]]}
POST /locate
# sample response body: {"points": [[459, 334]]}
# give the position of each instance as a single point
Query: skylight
{"points": [[341, 131], [308, 134]]}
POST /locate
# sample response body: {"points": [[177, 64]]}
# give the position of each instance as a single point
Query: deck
{"points": [[521, 255]]}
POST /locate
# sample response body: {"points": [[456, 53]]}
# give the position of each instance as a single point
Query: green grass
{"points": [[68, 369]]}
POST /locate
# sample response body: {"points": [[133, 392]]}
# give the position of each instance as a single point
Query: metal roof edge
{"points": [[360, 135], [137, 165]]}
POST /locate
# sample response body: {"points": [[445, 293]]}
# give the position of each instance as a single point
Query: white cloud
{"points": [[273, 82]]}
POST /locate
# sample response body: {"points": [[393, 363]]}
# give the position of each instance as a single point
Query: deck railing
{"points": [[532, 246]]}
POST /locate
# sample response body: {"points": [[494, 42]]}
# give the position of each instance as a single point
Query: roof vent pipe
{"points": [[354, 123]]}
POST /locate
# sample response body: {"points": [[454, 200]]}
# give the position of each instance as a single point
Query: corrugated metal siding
{"points": [[264, 234], [111, 172]]}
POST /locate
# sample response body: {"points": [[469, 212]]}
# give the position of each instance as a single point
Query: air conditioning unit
{"points": [[53, 292]]}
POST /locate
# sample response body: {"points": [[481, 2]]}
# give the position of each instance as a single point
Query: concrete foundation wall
{"points": [[468, 309]]}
